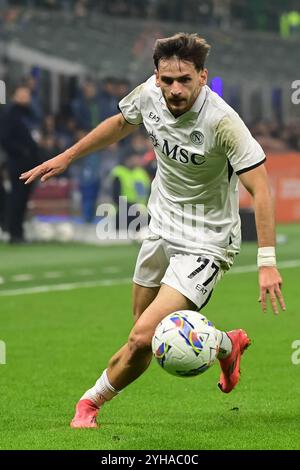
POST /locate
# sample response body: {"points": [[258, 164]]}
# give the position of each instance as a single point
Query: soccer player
{"points": [[202, 148]]}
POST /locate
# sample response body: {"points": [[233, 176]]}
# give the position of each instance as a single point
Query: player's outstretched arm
{"points": [[109, 131], [270, 281]]}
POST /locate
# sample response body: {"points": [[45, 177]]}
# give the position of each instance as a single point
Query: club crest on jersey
{"points": [[197, 137], [153, 139]]}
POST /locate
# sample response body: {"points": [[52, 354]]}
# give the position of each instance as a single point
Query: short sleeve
{"points": [[242, 150], [130, 106]]}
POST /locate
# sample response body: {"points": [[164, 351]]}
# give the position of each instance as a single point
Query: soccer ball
{"points": [[185, 343]]}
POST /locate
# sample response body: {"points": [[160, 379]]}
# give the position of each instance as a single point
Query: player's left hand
{"points": [[270, 283]]}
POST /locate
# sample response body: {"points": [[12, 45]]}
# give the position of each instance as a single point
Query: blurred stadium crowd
{"points": [[45, 130], [47, 135], [29, 135], [242, 14]]}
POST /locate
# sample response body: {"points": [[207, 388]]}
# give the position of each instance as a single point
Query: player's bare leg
{"points": [[135, 356], [142, 297]]}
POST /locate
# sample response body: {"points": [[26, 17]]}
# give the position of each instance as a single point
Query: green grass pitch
{"points": [[58, 342]]}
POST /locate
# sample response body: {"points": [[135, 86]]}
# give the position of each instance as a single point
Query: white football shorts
{"points": [[195, 276]]}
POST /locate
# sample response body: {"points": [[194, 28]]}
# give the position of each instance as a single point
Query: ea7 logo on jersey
{"points": [[197, 137], [154, 117], [182, 155]]}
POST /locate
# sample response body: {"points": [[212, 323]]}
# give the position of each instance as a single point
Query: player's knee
{"points": [[139, 342], [137, 312], [138, 309]]}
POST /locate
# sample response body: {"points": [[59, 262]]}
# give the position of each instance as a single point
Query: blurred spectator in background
{"points": [[150, 163], [109, 97], [110, 157], [89, 182], [131, 182], [275, 137], [47, 140], [116, 7], [80, 8], [57, 133], [268, 136], [86, 107], [36, 114], [221, 14], [139, 143], [122, 89], [65, 130], [22, 153], [289, 24], [49, 146], [240, 14], [87, 112]]}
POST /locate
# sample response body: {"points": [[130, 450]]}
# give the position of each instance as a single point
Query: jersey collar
{"points": [[197, 106]]}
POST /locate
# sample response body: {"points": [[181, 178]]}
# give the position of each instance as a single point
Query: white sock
{"points": [[101, 392], [225, 345]]}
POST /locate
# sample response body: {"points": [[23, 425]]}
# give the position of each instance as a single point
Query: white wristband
{"points": [[266, 256]]}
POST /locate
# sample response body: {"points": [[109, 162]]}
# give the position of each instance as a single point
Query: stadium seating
{"points": [[99, 42]]}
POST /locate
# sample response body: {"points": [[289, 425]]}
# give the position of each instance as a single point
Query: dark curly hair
{"points": [[184, 46]]}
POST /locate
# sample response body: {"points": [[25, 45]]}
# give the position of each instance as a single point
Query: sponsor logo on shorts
{"points": [[201, 289]]}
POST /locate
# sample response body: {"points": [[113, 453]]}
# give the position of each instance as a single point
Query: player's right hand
{"points": [[270, 283], [53, 167]]}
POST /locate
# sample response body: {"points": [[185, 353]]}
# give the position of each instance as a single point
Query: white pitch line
{"points": [[65, 287], [85, 272], [22, 277], [113, 282], [252, 268], [53, 274], [111, 269], [2, 280]]}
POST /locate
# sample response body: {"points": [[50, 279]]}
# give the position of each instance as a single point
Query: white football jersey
{"points": [[194, 196]]}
